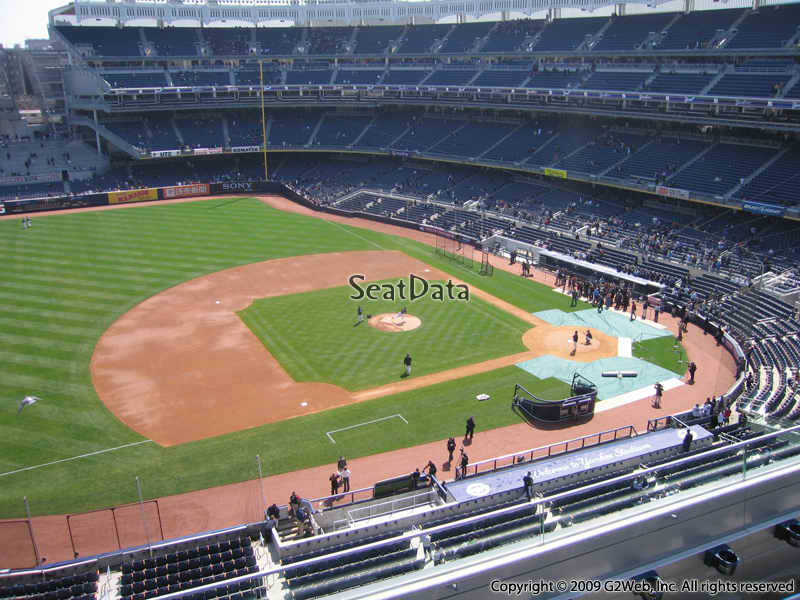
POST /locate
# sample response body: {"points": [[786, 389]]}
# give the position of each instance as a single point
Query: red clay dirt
{"points": [[224, 506]]}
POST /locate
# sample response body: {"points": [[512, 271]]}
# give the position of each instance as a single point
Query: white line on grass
{"points": [[333, 441], [55, 462]]}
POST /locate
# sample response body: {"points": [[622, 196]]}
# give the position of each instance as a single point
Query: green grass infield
{"points": [[316, 336]]}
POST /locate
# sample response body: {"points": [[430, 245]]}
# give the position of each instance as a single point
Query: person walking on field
{"points": [[451, 447], [407, 363], [574, 343], [633, 310], [470, 429], [360, 314], [334, 483], [345, 473]]}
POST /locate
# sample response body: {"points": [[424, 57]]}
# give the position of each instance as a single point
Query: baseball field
{"points": [[69, 282]]}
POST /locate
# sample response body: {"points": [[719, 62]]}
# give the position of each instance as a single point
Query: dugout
{"points": [[578, 407]]}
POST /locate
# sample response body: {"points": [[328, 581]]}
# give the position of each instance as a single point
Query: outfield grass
{"points": [[313, 336], [69, 277], [661, 351]]}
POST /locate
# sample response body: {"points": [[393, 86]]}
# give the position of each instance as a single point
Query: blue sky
{"points": [[25, 19]]}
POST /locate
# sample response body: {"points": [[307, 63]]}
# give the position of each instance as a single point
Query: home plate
{"points": [[304, 404]]}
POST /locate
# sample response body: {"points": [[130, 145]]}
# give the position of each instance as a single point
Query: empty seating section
{"points": [[721, 168], [520, 144], [340, 131], [131, 131], [310, 77], [404, 76], [364, 76], [164, 136], [250, 75], [225, 41], [329, 40], [184, 569], [245, 129], [384, 130], [173, 41], [377, 40], [472, 139], [140, 79], [568, 34], [555, 79], [679, 83], [735, 84], [601, 153], [278, 40], [51, 586], [510, 36], [615, 80], [465, 37], [696, 29], [205, 78], [105, 41], [285, 130], [419, 39], [500, 78], [653, 161], [770, 27], [201, 132], [630, 32], [425, 132], [777, 184], [450, 77]]}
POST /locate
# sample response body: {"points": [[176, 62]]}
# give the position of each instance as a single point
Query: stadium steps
{"points": [[596, 37], [619, 162], [539, 149], [714, 81], [789, 84], [479, 46], [691, 162], [566, 156], [316, 129], [757, 172], [177, 131], [474, 77], [501, 140], [394, 141], [226, 133], [115, 140], [363, 131], [451, 134], [735, 25]]}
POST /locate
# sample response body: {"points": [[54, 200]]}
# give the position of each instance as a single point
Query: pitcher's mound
{"points": [[394, 322]]}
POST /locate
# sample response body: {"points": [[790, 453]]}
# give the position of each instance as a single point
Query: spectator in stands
{"points": [[415, 475], [431, 468], [294, 504], [697, 411]]}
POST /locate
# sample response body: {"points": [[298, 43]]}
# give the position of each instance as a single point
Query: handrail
{"points": [[630, 429]]}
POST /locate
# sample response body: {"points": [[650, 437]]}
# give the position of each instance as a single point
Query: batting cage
{"points": [[455, 247]]}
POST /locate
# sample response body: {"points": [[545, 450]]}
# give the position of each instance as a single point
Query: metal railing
{"points": [[389, 507], [593, 439]]}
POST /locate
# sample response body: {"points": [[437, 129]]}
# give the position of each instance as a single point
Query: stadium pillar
{"points": [[141, 509], [261, 483], [96, 133]]}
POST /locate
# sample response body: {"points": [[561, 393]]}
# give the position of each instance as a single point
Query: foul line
{"points": [[55, 462], [333, 441]]}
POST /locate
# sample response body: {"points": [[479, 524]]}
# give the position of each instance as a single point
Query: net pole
{"points": [[261, 483], [263, 119], [30, 527], [141, 510]]}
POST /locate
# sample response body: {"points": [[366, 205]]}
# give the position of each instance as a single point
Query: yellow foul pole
{"points": [[263, 119]]}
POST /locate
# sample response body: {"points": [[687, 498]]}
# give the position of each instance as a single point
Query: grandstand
{"points": [[653, 146]]}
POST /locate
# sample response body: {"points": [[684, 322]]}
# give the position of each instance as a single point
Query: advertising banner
{"points": [[760, 208], [205, 151], [186, 191], [246, 149], [40, 178], [2, 208], [560, 173], [165, 153], [132, 196], [672, 192]]}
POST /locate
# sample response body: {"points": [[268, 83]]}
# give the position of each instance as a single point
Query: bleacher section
{"points": [[736, 84], [615, 80], [721, 168], [777, 184], [696, 29], [629, 33], [141, 79], [679, 83], [568, 34], [420, 38], [770, 27]]}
